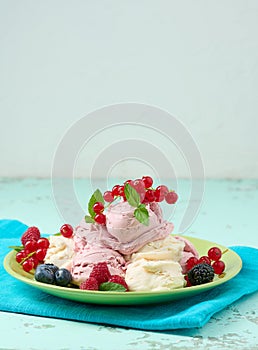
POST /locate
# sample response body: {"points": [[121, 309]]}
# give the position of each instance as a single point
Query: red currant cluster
{"points": [[34, 249], [212, 258], [147, 194]]}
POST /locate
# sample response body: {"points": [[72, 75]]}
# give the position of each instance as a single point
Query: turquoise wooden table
{"points": [[228, 215]]}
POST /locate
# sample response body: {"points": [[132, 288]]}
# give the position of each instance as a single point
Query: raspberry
{"points": [[200, 274], [100, 272], [31, 234], [118, 279], [90, 284]]}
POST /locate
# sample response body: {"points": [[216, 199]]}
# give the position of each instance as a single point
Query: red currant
{"points": [[115, 191], [160, 193], [120, 191], [20, 256], [138, 185], [28, 265], [35, 261], [148, 181], [108, 196], [214, 253], [191, 262], [98, 207], [43, 243], [30, 246], [171, 197], [204, 259], [218, 266], [188, 283], [100, 218], [41, 253], [66, 230], [149, 196]]}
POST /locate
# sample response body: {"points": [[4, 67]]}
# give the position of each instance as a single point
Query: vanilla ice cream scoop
{"points": [[60, 252], [168, 248], [154, 275]]}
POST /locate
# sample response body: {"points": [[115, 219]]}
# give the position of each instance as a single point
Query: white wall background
{"points": [[60, 60]]}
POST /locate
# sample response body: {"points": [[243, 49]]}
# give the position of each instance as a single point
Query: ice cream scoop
{"points": [[85, 259], [168, 248], [154, 275], [60, 252], [126, 234]]}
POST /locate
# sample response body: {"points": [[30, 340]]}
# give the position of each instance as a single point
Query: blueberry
{"points": [[44, 275], [63, 277], [51, 267]]}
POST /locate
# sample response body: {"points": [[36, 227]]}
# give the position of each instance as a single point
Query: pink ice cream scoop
{"points": [[85, 259], [126, 234], [188, 252]]}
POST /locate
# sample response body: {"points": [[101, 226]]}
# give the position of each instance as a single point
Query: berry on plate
{"points": [[100, 272], [31, 234], [90, 284], [200, 274]]}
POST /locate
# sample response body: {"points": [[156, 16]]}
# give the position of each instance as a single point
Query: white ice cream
{"points": [[154, 275], [60, 252], [163, 249]]}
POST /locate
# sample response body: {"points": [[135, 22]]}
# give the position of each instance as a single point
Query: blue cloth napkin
{"points": [[189, 313]]}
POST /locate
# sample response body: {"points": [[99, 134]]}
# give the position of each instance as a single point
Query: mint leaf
{"points": [[111, 286], [17, 248], [142, 215], [89, 219], [96, 197], [132, 196], [57, 234]]}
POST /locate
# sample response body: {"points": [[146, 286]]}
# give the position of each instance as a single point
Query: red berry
{"points": [[120, 191], [115, 190], [43, 243], [90, 284], [214, 253], [147, 180], [101, 272], [149, 196], [41, 253], [98, 207], [118, 279], [171, 197], [35, 261], [108, 196], [204, 259], [138, 185], [30, 246], [28, 265], [66, 230], [191, 262], [100, 219], [218, 266], [160, 193], [31, 234], [20, 256]]}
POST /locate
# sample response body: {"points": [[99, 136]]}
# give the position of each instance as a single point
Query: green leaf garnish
{"points": [[57, 234], [89, 219], [17, 248], [96, 197], [132, 196], [111, 286], [142, 215]]}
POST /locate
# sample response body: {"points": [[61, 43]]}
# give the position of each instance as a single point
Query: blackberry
{"points": [[200, 274]]}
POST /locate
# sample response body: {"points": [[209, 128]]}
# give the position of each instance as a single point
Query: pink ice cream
{"points": [[126, 234], [189, 251], [86, 258]]}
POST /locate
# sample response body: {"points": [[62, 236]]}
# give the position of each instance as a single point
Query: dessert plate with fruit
{"points": [[122, 253]]}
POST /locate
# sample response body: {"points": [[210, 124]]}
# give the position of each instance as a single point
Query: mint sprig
{"points": [[17, 248], [133, 198], [112, 287]]}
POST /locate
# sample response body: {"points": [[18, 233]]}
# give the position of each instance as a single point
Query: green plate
{"points": [[233, 266]]}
